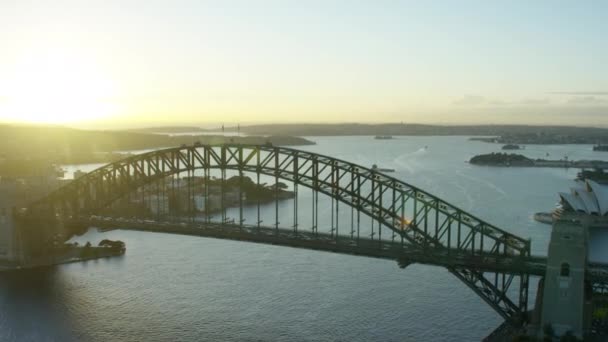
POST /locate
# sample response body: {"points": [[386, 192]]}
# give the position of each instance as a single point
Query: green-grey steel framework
{"points": [[399, 211]]}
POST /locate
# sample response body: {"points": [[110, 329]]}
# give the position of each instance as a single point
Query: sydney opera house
{"points": [[589, 199]]}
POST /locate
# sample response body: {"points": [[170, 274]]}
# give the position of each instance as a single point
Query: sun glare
{"points": [[56, 89]]}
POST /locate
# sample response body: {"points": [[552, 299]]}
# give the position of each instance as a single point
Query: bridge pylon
{"points": [[566, 303]]}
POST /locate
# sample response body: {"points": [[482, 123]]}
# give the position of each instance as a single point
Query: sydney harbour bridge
{"points": [[371, 214]]}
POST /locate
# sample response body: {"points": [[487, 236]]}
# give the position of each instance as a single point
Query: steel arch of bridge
{"points": [[410, 214]]}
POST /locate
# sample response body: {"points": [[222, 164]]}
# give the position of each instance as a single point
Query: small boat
{"points": [[377, 169], [383, 137], [599, 147], [544, 217]]}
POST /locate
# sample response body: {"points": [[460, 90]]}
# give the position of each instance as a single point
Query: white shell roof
{"points": [[574, 201], [591, 198], [601, 194]]}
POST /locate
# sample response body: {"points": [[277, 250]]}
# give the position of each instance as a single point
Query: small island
{"points": [[501, 159], [511, 147]]}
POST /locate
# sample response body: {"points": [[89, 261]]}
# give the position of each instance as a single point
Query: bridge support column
{"points": [[563, 297], [9, 251], [8, 245]]}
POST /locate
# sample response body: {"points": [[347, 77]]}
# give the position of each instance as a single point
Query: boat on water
{"points": [[378, 169], [599, 147], [383, 137], [544, 218]]}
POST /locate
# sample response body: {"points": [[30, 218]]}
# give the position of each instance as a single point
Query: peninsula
{"points": [[33, 144], [518, 160], [505, 134]]}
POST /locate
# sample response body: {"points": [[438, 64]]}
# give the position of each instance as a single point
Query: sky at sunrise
{"points": [[138, 63]]}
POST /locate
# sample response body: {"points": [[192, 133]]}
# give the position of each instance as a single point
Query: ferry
{"points": [[599, 147], [377, 169], [544, 218]]}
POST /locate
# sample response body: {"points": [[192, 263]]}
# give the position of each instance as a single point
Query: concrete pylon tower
{"points": [[563, 301], [8, 250]]}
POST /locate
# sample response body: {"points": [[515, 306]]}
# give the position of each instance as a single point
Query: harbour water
{"points": [[184, 288]]}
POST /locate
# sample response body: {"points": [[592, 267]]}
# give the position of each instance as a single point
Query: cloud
{"points": [[586, 100], [589, 93], [499, 103], [524, 102], [534, 102], [470, 100]]}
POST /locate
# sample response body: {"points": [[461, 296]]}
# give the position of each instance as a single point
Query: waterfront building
{"points": [[78, 174], [199, 203], [215, 189], [214, 202], [231, 196], [158, 204]]}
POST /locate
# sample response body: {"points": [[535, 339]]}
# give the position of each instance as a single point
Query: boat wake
{"points": [[484, 182]]}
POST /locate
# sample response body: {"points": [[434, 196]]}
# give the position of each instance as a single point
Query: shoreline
{"points": [[73, 256], [518, 160], [551, 164]]}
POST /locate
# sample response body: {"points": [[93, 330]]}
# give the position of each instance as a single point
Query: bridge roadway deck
{"points": [[405, 253]]}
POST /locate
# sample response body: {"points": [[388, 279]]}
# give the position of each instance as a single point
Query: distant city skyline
{"points": [[116, 64]]}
